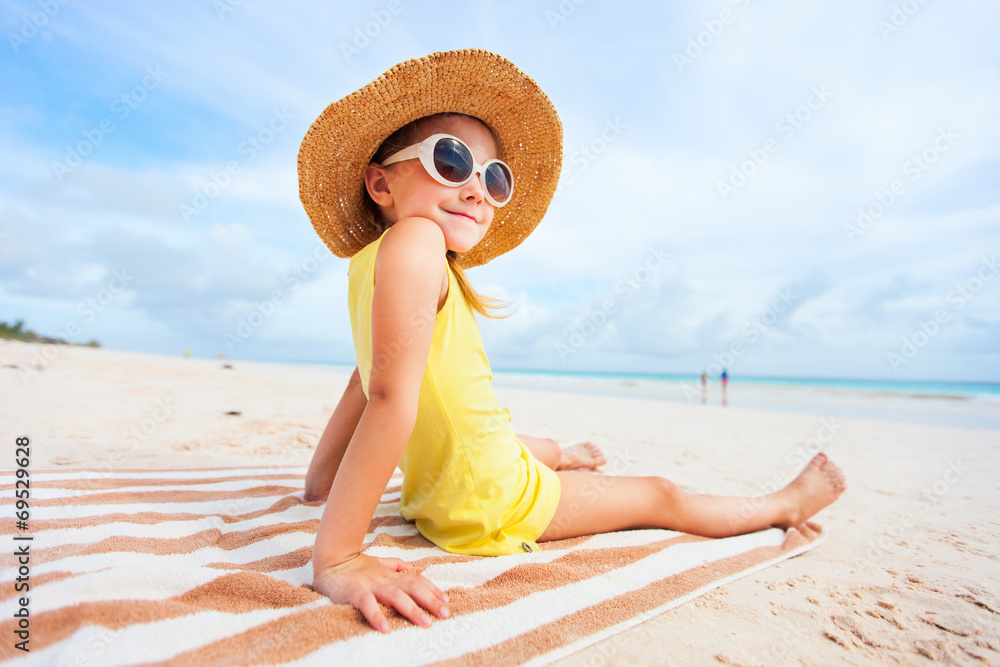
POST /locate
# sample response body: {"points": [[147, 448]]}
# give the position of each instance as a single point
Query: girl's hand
{"points": [[364, 581]]}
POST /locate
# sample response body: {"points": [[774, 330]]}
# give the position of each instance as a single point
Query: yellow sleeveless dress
{"points": [[469, 484]]}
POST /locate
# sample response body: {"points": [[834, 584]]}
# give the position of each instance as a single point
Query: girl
{"points": [[440, 164]]}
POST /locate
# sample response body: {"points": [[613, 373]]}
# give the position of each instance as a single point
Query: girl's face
{"points": [[405, 189]]}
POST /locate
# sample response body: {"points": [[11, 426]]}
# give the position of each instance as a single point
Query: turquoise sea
{"points": [[942, 403], [913, 388], [963, 404]]}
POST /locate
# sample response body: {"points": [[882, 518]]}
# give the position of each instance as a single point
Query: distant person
{"points": [[725, 383], [443, 163], [704, 388]]}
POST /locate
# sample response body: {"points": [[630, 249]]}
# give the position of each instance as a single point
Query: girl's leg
{"points": [[590, 504], [584, 456]]}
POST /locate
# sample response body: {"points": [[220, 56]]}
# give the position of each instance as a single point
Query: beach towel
{"points": [[212, 567]]}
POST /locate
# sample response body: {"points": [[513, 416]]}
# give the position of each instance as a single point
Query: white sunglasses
{"points": [[450, 162]]}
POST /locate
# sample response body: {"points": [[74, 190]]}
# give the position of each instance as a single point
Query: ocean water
{"points": [[963, 404], [959, 404]]}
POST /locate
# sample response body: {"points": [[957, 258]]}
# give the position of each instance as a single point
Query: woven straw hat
{"points": [[340, 143]]}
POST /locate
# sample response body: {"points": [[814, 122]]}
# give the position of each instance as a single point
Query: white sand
{"points": [[910, 570]]}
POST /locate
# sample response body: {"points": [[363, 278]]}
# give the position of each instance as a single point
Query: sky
{"points": [[780, 189]]}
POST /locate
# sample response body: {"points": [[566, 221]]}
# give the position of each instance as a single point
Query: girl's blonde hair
{"points": [[398, 140]]}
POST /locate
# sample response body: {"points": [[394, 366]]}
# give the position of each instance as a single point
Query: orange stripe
{"points": [[285, 639], [133, 497], [148, 518], [164, 546]]}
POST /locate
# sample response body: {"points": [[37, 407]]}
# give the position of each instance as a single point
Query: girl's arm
{"points": [[333, 443], [408, 277]]}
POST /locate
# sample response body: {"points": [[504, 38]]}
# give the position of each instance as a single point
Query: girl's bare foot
{"points": [[584, 456], [817, 486]]}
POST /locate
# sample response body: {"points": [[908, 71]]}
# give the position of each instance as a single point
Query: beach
{"points": [[908, 573]]}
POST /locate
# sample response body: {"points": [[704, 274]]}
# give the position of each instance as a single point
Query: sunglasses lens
{"points": [[452, 160], [499, 182]]}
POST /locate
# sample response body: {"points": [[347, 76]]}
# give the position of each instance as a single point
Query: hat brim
{"points": [[340, 143]]}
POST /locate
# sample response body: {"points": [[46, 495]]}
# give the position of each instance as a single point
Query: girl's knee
{"points": [[667, 493], [554, 452]]}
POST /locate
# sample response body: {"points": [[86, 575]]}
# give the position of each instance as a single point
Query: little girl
{"points": [[443, 163]]}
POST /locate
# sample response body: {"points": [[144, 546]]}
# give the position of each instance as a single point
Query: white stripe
{"points": [[155, 475], [230, 506], [239, 485], [172, 529], [162, 640]]}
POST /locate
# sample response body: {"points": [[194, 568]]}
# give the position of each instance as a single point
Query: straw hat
{"points": [[340, 143]]}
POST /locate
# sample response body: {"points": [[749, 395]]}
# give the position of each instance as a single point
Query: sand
{"points": [[909, 573]]}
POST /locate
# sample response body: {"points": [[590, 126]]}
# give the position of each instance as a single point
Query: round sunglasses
{"points": [[450, 162]]}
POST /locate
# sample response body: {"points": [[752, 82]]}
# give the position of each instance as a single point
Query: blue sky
{"points": [[780, 188]]}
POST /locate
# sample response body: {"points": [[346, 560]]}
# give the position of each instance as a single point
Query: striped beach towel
{"points": [[212, 567]]}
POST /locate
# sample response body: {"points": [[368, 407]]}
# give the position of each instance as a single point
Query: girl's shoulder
{"points": [[412, 245]]}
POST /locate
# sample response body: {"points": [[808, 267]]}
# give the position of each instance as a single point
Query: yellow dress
{"points": [[469, 484]]}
